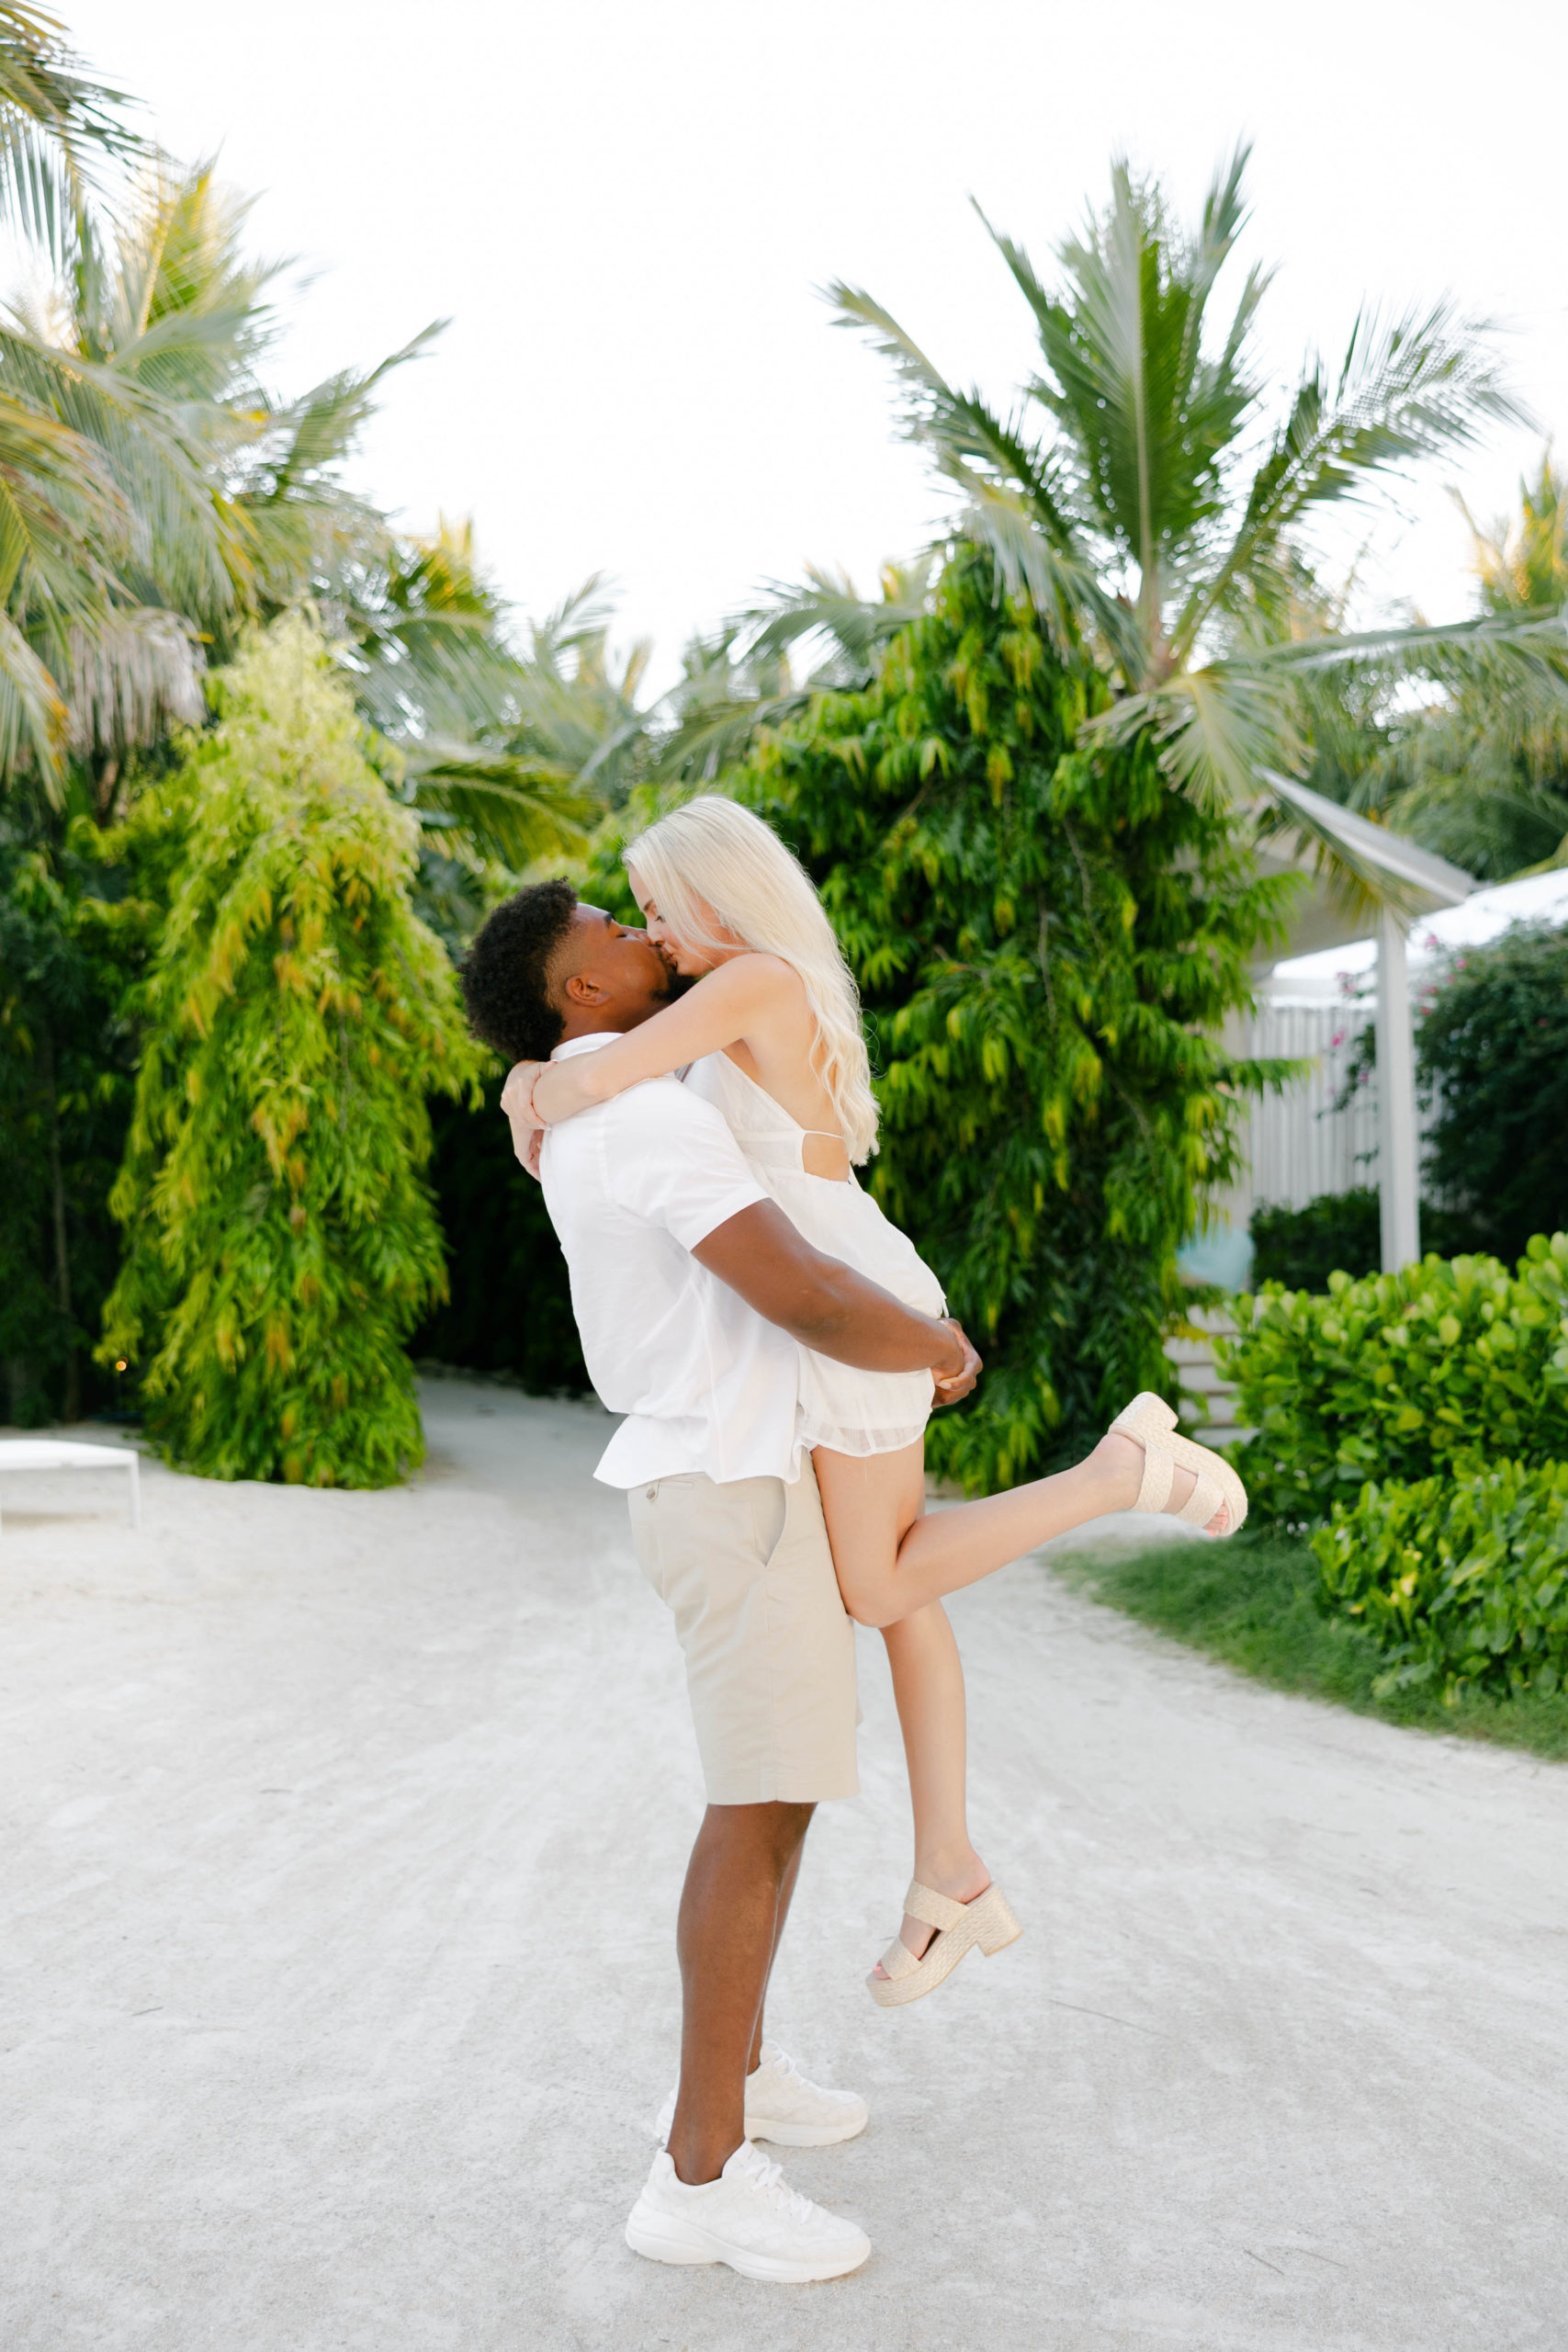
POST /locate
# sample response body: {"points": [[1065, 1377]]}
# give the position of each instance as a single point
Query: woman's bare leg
{"points": [[893, 1561], [928, 1682]]}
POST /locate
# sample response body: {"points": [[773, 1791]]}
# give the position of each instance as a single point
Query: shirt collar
{"points": [[571, 1046]]}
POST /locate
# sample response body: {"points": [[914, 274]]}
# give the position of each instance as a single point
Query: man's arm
{"points": [[827, 1306]]}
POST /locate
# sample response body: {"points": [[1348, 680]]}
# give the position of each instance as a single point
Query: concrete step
{"points": [[1207, 1402]]}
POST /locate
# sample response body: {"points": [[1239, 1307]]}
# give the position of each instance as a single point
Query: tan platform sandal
{"points": [[1150, 1421], [988, 1922]]}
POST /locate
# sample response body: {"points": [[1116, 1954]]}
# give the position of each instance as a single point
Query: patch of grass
{"points": [[1253, 1603]]}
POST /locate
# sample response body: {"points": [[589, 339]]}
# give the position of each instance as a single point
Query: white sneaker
{"points": [[783, 2106], [748, 2217]]}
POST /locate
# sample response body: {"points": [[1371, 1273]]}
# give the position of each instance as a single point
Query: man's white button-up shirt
{"points": [[632, 1186]]}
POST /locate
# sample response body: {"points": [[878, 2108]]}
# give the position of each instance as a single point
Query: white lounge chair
{"points": [[61, 1454]]}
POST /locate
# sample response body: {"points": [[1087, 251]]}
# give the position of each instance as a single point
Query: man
{"points": [[690, 1288]]}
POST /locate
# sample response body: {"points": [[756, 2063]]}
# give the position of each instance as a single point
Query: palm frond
{"points": [[130, 678], [57, 127], [33, 719], [511, 808]]}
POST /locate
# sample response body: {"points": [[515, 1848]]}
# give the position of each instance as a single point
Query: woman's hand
{"points": [[517, 1094], [517, 1102]]}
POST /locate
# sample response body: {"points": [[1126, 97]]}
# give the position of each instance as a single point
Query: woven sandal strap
{"points": [[1206, 1499], [898, 1960], [1158, 1471], [931, 1909]]}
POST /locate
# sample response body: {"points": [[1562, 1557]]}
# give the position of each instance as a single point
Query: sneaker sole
{"points": [[803, 2135], [661, 2241]]}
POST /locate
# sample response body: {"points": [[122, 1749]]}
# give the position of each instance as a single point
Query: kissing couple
{"points": [[694, 1098]]}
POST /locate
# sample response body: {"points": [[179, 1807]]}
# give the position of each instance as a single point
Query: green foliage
{"points": [[1439, 1368], [1141, 495], [1493, 1047], [66, 1060], [282, 1242], [1337, 1233], [1046, 940], [1477, 769], [1463, 1582], [1342, 1233], [1255, 1604], [510, 1308]]}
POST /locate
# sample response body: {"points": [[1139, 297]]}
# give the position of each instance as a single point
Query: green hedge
{"points": [[1463, 1580], [1445, 1366]]}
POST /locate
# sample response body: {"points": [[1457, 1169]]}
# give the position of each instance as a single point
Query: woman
{"points": [[773, 1031]]}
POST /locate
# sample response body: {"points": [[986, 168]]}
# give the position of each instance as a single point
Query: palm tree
{"points": [[234, 509], [1138, 494], [742, 679], [1478, 769], [1482, 776], [57, 127], [64, 520]]}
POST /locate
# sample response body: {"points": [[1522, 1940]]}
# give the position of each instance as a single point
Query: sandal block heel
{"points": [[987, 1922], [999, 1927]]}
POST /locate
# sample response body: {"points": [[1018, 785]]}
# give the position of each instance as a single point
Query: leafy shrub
{"points": [[1493, 1047], [1444, 1366], [282, 1241], [510, 1308], [1462, 1580], [1338, 1233], [1341, 1233]]}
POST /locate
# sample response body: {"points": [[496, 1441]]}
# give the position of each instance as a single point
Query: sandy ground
{"points": [[343, 1836]]}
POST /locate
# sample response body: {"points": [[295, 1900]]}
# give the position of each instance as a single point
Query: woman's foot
{"points": [[963, 1882], [1120, 1460]]}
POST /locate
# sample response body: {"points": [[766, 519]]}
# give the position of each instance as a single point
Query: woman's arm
{"points": [[719, 1012]]}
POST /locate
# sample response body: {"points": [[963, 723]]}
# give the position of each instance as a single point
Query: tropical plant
{"points": [[1492, 1055], [66, 1063], [1440, 1367], [1464, 1581], [1300, 1248], [1480, 772], [58, 126], [281, 1240], [742, 679], [509, 1311], [1140, 498]]}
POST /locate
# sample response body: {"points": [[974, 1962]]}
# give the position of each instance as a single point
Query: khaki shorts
{"points": [[747, 1572]]}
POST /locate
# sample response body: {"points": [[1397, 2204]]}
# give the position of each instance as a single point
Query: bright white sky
{"points": [[625, 209]]}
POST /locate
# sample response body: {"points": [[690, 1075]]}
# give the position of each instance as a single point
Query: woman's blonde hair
{"points": [[713, 856]]}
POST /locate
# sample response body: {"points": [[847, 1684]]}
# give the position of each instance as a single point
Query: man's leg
{"points": [[738, 1886], [786, 1896]]}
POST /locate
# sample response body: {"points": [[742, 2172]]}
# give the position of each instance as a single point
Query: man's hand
{"points": [[951, 1386]]}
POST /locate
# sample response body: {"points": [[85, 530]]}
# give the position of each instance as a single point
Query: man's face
{"points": [[608, 970]]}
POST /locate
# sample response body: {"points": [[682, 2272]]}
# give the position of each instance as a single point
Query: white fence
{"points": [[1298, 1144]]}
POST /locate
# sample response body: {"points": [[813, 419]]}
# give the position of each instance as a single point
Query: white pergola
{"points": [[1422, 884]]}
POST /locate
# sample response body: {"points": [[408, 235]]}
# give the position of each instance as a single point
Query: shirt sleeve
{"points": [[671, 1157]]}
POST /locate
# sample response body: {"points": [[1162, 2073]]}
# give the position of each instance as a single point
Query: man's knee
{"points": [[775, 1829]]}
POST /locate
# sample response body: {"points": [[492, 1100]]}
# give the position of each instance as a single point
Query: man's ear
{"points": [[581, 989]]}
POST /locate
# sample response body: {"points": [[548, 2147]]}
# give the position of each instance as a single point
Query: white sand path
{"points": [[343, 1834]]}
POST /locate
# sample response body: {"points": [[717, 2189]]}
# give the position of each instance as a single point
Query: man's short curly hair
{"points": [[506, 973]]}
